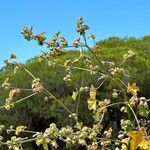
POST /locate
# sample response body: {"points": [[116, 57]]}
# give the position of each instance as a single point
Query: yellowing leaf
{"points": [[11, 93], [92, 100], [137, 138], [92, 92], [74, 95], [145, 144], [132, 89], [91, 104]]}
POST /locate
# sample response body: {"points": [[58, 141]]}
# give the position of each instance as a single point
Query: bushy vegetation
{"points": [[85, 89]]}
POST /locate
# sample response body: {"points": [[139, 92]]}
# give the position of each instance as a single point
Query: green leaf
{"points": [[44, 144], [78, 125], [92, 100], [41, 140]]}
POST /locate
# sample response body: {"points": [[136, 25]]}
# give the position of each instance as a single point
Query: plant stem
{"points": [[118, 103], [20, 100], [134, 115], [78, 103], [59, 102], [29, 73]]}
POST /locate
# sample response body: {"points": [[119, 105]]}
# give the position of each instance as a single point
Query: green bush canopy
{"points": [[37, 109]]}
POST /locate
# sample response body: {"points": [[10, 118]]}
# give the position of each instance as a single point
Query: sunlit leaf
{"points": [[41, 140], [132, 89], [145, 144], [44, 144], [92, 100], [91, 104], [74, 95], [137, 138], [78, 125]]}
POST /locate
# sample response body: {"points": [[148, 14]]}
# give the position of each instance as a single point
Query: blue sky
{"points": [[105, 17]]}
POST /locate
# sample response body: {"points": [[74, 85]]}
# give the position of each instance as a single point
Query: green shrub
{"points": [[84, 84]]}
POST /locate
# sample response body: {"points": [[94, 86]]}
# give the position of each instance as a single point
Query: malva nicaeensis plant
{"points": [[133, 131]]}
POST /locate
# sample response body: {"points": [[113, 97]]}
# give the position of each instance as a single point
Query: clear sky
{"points": [[105, 17]]}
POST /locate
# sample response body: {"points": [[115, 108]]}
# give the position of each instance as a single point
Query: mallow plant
{"points": [[132, 129]]}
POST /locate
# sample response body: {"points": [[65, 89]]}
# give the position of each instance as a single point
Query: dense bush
{"points": [[70, 74], [111, 49]]}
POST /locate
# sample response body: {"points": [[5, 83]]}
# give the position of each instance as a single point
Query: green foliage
{"points": [[114, 48], [87, 92], [110, 50]]}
